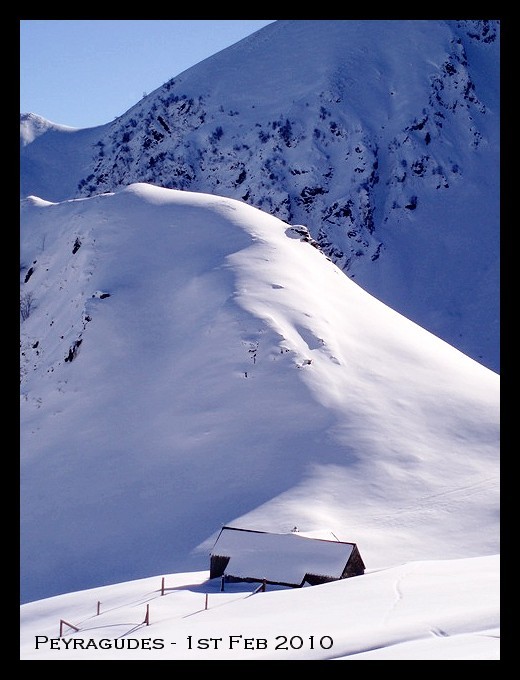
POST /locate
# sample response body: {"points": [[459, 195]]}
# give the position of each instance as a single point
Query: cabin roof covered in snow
{"points": [[280, 558]]}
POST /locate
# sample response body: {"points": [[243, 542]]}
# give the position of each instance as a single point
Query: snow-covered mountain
{"points": [[190, 361], [381, 137]]}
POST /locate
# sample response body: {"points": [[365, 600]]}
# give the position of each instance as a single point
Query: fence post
{"points": [[98, 607], [67, 624], [147, 617], [206, 605], [259, 589], [162, 586]]}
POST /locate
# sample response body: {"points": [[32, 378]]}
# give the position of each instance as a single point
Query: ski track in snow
{"points": [[424, 503]]}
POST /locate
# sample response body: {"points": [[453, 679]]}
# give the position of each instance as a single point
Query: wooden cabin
{"points": [[282, 559]]}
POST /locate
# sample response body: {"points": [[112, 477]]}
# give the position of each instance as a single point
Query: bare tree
{"points": [[26, 305]]}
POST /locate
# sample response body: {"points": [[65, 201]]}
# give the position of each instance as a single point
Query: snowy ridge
{"points": [[394, 170], [189, 363]]}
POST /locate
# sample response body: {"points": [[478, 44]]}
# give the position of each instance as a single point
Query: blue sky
{"points": [[86, 72]]}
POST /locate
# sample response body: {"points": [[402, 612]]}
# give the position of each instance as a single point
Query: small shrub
{"points": [[26, 305]]}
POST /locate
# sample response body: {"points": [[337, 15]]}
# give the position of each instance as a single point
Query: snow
{"points": [[189, 361], [280, 558], [32, 126], [433, 610], [338, 136], [234, 375]]}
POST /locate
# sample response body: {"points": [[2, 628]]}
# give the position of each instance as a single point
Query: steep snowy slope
{"points": [[189, 361]]}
